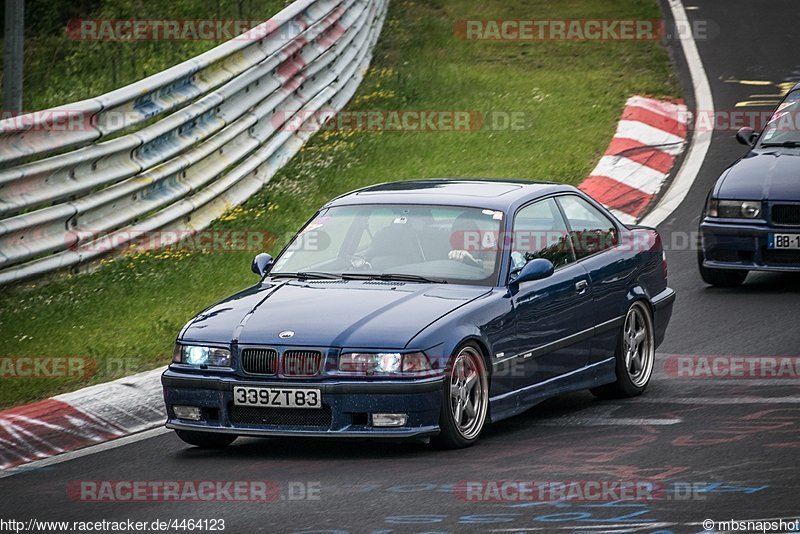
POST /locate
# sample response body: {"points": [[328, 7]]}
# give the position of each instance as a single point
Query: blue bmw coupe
{"points": [[425, 309], [751, 221]]}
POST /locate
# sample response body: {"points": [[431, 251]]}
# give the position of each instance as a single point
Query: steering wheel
{"points": [[359, 263]]}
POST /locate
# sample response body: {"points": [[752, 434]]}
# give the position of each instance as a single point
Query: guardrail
{"points": [[180, 148]]}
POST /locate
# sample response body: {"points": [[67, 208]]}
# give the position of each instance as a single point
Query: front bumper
{"points": [[345, 413], [745, 247]]}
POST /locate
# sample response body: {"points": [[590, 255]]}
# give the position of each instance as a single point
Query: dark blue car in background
{"points": [[425, 309], [751, 221]]}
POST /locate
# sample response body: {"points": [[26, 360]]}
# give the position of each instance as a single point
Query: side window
{"points": [[540, 232], [591, 230], [782, 126]]}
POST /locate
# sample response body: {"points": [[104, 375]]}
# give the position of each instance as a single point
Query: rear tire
{"points": [[465, 399], [206, 440], [720, 277], [635, 355]]}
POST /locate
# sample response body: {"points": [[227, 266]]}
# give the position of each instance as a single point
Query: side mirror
{"points": [[262, 264], [536, 269], [747, 136]]}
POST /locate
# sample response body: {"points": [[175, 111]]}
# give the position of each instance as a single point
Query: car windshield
{"points": [[783, 128], [402, 242]]}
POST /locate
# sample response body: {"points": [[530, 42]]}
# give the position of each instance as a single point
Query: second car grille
{"points": [[786, 214], [260, 361], [781, 257], [301, 362]]}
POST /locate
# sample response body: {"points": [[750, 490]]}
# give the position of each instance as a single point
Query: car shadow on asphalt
{"points": [[323, 449], [763, 283]]}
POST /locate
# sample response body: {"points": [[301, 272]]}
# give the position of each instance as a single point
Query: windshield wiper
{"points": [[785, 144], [391, 277], [307, 275]]}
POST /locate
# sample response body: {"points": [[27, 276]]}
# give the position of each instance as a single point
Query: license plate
{"points": [[784, 241], [277, 397]]}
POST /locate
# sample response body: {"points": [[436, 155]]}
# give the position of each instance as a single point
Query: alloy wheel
{"points": [[469, 393], [638, 345]]}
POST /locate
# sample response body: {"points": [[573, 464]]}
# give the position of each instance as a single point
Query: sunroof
{"points": [[446, 187]]}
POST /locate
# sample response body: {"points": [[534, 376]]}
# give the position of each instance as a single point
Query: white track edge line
{"points": [[701, 140]]}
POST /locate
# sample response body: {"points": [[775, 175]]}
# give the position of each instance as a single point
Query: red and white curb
{"points": [[649, 138], [80, 419]]}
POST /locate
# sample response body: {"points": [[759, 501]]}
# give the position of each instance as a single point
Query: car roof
{"points": [[480, 193]]}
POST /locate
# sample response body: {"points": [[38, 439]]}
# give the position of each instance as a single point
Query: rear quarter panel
{"points": [[631, 271]]}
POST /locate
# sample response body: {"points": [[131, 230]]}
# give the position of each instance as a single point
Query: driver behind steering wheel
{"points": [[471, 246]]}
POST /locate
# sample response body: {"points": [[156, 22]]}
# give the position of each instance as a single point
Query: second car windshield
{"points": [[783, 127], [438, 243]]}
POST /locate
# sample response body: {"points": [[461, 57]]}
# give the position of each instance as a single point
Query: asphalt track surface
{"points": [[736, 441]]}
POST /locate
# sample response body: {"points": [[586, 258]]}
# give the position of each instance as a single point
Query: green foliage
{"points": [[60, 69]]}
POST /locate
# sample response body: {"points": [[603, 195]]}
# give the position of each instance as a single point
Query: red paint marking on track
{"points": [[48, 428], [615, 471]]}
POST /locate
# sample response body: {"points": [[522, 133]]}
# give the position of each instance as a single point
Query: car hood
{"points": [[328, 314], [762, 175]]}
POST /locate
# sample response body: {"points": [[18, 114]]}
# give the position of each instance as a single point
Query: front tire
{"points": [[465, 401], [635, 355], [206, 440], [720, 277]]}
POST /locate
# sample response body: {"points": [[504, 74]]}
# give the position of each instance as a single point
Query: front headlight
{"points": [[734, 209], [200, 356], [384, 363]]}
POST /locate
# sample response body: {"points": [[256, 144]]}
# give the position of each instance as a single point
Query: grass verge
{"points": [[60, 69], [126, 315]]}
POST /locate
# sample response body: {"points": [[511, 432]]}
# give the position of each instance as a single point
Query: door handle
{"points": [[581, 286]]}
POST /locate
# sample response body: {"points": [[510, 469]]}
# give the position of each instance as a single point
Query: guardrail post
{"points": [[13, 56]]}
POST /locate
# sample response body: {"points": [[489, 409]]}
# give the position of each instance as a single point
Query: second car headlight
{"points": [[200, 355], [383, 363], [734, 209]]}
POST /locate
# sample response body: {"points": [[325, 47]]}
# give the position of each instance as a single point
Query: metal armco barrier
{"points": [[180, 148]]}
